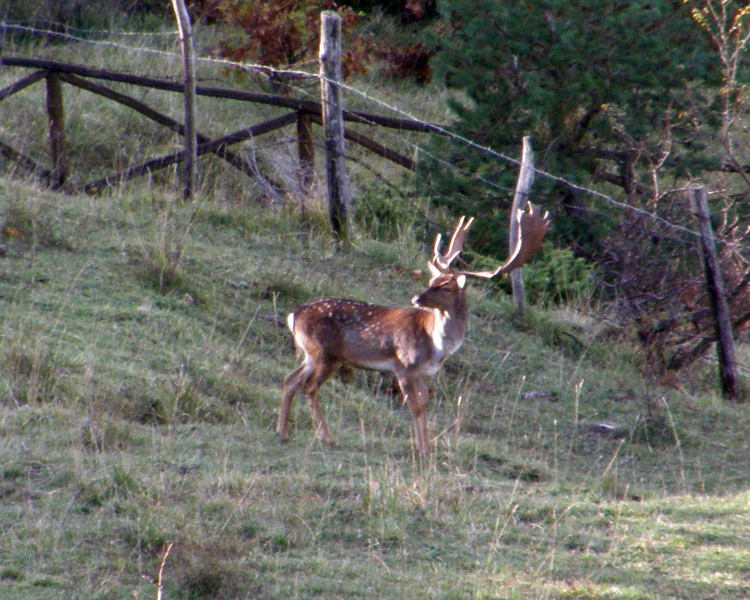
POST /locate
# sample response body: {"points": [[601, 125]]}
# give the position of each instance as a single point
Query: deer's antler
{"points": [[531, 229], [443, 261]]}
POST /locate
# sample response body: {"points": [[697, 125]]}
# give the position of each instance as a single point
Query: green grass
{"points": [[133, 417]]}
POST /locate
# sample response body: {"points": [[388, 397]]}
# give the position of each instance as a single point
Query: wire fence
{"points": [[93, 37]]}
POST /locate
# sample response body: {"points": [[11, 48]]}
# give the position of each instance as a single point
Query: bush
{"points": [[558, 277]]}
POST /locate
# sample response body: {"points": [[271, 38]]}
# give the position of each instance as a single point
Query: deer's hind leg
{"points": [[321, 372], [292, 382]]}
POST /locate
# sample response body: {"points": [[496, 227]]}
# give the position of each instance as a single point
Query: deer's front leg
{"points": [[414, 388]]}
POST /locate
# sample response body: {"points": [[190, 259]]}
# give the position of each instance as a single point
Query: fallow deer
{"points": [[411, 342]]}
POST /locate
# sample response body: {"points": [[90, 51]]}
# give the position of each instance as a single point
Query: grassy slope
{"points": [[130, 420]]}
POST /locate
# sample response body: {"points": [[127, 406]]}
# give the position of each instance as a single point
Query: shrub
{"points": [[558, 277]]}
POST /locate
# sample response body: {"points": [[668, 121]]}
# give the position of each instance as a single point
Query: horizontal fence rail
{"points": [[304, 111], [309, 106]]}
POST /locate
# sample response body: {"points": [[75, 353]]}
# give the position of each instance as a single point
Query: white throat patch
{"points": [[438, 333]]}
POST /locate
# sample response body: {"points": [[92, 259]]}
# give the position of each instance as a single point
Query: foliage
{"points": [[286, 32], [409, 10], [81, 15], [410, 61], [657, 282], [594, 88], [558, 277], [624, 97]]}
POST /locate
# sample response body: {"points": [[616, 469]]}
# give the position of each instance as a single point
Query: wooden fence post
{"points": [[56, 116], [79, 76], [333, 121], [521, 197], [306, 154], [717, 297], [188, 62]]}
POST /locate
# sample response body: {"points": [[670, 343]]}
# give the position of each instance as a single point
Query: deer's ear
{"points": [[461, 281]]}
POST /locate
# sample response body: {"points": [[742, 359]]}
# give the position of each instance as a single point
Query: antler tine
{"points": [[531, 230], [455, 245], [436, 247]]}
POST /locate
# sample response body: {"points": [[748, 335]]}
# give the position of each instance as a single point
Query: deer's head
{"points": [[447, 285]]}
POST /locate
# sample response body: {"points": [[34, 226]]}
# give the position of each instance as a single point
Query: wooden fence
{"points": [[302, 113]]}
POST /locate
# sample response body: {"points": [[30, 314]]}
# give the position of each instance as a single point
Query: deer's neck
{"points": [[449, 327]]}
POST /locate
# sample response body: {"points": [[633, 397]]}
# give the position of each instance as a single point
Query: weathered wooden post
{"points": [[56, 116], [188, 62], [722, 321], [333, 121], [306, 154], [521, 197]]}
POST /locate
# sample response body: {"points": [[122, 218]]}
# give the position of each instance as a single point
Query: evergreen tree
{"points": [[635, 99], [605, 89]]}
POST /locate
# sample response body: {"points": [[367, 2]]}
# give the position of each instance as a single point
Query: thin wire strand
{"points": [[393, 109], [68, 28]]}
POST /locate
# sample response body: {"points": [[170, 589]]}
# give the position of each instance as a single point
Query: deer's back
{"points": [[364, 335]]}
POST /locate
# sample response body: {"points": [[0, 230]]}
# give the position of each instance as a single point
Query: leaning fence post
{"points": [[717, 297], [521, 197], [333, 121], [188, 62], [56, 116]]}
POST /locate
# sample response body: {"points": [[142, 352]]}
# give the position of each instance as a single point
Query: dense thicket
{"points": [[634, 99], [606, 93]]}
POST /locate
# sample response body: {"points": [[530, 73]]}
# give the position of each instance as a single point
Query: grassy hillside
{"points": [[142, 347], [142, 350]]}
